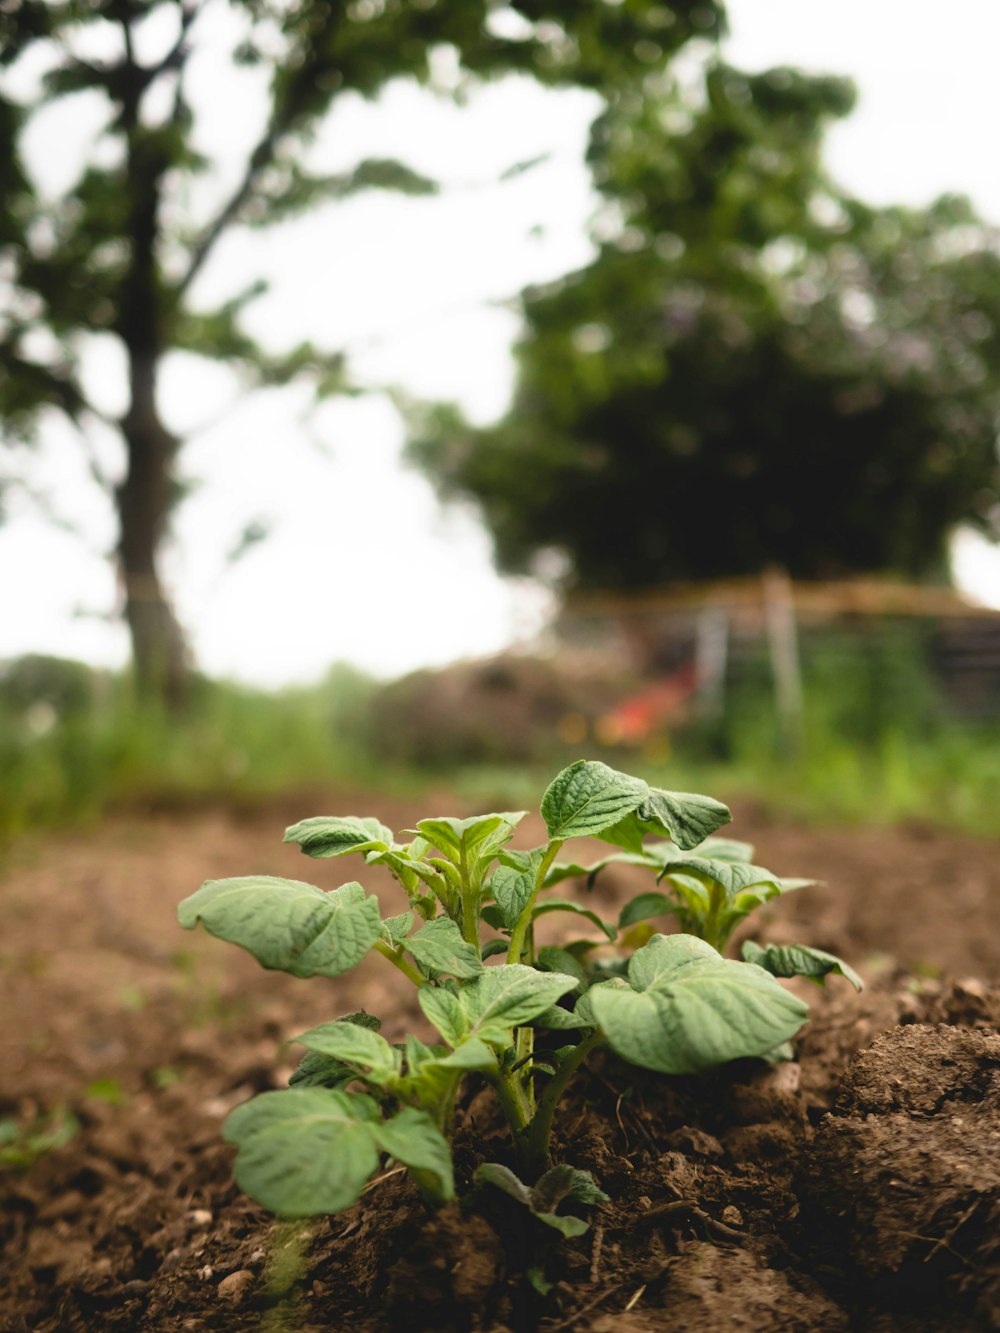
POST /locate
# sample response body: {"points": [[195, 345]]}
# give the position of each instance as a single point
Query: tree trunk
{"points": [[159, 651]]}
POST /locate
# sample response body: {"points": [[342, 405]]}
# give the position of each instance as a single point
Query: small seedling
{"points": [[523, 1019]]}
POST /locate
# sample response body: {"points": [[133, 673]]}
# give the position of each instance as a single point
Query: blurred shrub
{"points": [[507, 709]]}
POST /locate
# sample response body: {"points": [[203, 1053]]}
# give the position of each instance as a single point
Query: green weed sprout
{"points": [[676, 1005]]}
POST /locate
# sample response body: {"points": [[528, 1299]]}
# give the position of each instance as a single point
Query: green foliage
{"points": [[21, 1145], [118, 254], [755, 369], [75, 743], [675, 1006]]}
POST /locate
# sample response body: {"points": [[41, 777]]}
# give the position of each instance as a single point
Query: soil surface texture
{"points": [[856, 1188]]}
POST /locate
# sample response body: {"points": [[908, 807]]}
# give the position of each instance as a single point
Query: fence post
{"points": [[783, 646]]}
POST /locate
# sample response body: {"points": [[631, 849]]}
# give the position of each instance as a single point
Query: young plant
{"points": [[523, 1019]]}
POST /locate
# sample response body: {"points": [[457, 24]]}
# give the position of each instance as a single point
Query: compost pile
{"points": [[857, 1187]]}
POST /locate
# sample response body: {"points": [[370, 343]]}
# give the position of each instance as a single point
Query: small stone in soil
{"points": [[234, 1287]]}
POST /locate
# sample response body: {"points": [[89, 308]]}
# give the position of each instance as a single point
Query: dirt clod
{"points": [[235, 1286]]}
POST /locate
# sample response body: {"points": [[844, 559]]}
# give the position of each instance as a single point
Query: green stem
{"points": [[712, 922], [520, 931], [396, 958], [510, 1094], [534, 1152]]}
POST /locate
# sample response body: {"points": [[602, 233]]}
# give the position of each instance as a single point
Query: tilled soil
{"points": [[856, 1188]]}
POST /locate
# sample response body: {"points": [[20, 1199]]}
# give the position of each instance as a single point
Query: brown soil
{"points": [[858, 1188]]}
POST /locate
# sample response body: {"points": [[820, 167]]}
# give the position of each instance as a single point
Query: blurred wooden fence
{"points": [[711, 630]]}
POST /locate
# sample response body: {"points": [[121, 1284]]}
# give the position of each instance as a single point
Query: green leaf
{"points": [[323, 1071], [558, 1184], [353, 1045], [495, 1173], [442, 1009], [415, 1141], [688, 1008], [331, 836], [398, 927], [567, 905], [287, 925], [512, 887], [439, 947], [799, 960], [470, 1054], [476, 836], [734, 877], [685, 816], [643, 907], [304, 1151], [566, 1182], [320, 1071], [589, 797], [557, 1019], [583, 1010], [727, 849], [507, 996], [553, 959]]}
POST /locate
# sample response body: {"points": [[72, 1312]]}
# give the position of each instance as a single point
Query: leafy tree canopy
{"points": [[117, 255], [755, 368]]}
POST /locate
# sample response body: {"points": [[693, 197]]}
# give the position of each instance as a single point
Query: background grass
{"points": [[877, 744]]}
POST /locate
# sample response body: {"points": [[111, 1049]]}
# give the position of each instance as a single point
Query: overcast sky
{"points": [[414, 288]]}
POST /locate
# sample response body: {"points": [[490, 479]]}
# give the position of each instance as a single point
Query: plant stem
{"points": [[396, 958], [520, 931], [534, 1148], [510, 1094], [711, 935]]}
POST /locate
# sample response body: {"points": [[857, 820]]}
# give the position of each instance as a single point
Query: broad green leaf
{"points": [[557, 1019], [553, 959], [475, 837], [320, 1071], [304, 1151], [503, 1178], [330, 836], [727, 849], [442, 1009], [353, 1045], [567, 905], [688, 1008], [686, 817], [287, 925], [398, 927], [493, 916], [664, 957], [799, 960], [643, 907], [565, 1182], [494, 947], [583, 1010], [553, 1188], [323, 1071], [469, 1054], [512, 886], [589, 797], [733, 876], [439, 947], [504, 997], [415, 1141]]}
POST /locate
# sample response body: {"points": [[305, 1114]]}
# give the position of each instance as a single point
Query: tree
{"points": [[755, 368], [120, 253]]}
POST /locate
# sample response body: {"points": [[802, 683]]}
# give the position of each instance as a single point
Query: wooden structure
{"points": [[709, 629]]}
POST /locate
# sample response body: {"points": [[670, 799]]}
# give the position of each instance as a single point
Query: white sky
{"points": [[357, 542]]}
